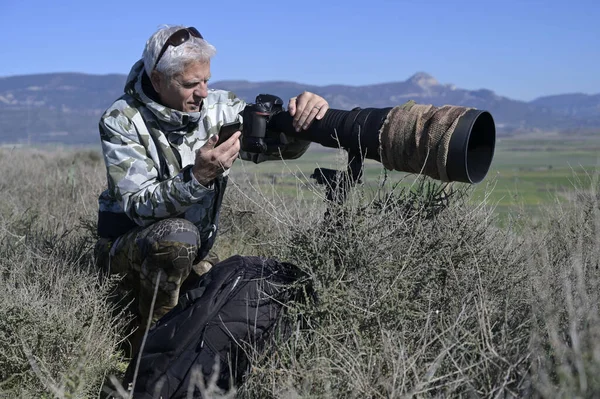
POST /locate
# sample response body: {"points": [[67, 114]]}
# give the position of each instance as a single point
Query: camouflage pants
{"points": [[160, 257]]}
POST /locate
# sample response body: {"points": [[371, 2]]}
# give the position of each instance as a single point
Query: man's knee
{"points": [[173, 242], [174, 230]]}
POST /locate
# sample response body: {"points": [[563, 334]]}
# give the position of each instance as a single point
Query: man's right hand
{"points": [[212, 161]]}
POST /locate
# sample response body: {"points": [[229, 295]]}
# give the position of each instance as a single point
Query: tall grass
{"points": [[565, 287], [57, 331], [418, 292]]}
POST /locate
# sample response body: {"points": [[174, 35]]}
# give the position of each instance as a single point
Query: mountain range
{"points": [[65, 107]]}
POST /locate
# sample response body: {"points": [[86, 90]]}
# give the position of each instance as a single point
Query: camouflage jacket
{"points": [[149, 149]]}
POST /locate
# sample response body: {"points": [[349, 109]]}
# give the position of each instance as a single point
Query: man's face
{"points": [[185, 91]]}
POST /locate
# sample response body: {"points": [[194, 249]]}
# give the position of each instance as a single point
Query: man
{"points": [[158, 217]]}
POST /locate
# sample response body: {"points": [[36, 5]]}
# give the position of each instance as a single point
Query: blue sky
{"points": [[520, 49]]}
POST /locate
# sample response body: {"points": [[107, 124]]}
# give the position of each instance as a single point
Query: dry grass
{"points": [[57, 332], [418, 295]]}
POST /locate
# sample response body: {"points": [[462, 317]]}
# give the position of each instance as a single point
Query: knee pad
{"points": [[173, 240]]}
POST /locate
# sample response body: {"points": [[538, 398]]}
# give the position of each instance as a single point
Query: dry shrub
{"points": [[565, 265], [57, 332], [418, 294]]}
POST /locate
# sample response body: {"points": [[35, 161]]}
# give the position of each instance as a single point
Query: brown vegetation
{"points": [[418, 294]]}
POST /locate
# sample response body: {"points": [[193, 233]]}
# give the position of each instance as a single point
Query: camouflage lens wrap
{"points": [[164, 251], [415, 138]]}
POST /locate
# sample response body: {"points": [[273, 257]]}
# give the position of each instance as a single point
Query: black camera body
{"points": [[256, 137]]}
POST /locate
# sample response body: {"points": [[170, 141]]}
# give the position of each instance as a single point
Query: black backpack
{"points": [[237, 306]]}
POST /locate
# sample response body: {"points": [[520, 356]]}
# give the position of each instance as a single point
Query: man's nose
{"points": [[201, 91]]}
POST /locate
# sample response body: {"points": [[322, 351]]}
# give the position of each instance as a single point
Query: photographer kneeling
{"points": [[166, 177]]}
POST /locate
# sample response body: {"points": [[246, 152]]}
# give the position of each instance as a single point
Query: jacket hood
{"points": [[135, 87]]}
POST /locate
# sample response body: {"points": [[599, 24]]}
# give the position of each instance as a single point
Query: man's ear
{"points": [[156, 79]]}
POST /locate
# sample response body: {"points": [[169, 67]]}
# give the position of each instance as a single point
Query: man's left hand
{"points": [[305, 108]]}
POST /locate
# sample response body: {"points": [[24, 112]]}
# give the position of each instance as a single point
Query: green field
{"points": [[531, 172], [526, 173]]}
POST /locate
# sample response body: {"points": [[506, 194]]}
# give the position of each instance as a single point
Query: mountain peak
{"points": [[424, 80]]}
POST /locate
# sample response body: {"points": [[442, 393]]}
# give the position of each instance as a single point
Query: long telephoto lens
{"points": [[447, 143]]}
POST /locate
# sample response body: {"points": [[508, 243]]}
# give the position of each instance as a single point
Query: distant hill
{"points": [[577, 105], [65, 107]]}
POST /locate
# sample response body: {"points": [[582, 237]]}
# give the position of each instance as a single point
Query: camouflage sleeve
{"points": [[133, 176], [293, 149]]}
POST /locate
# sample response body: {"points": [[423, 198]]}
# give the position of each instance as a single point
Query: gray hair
{"points": [[174, 59]]}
